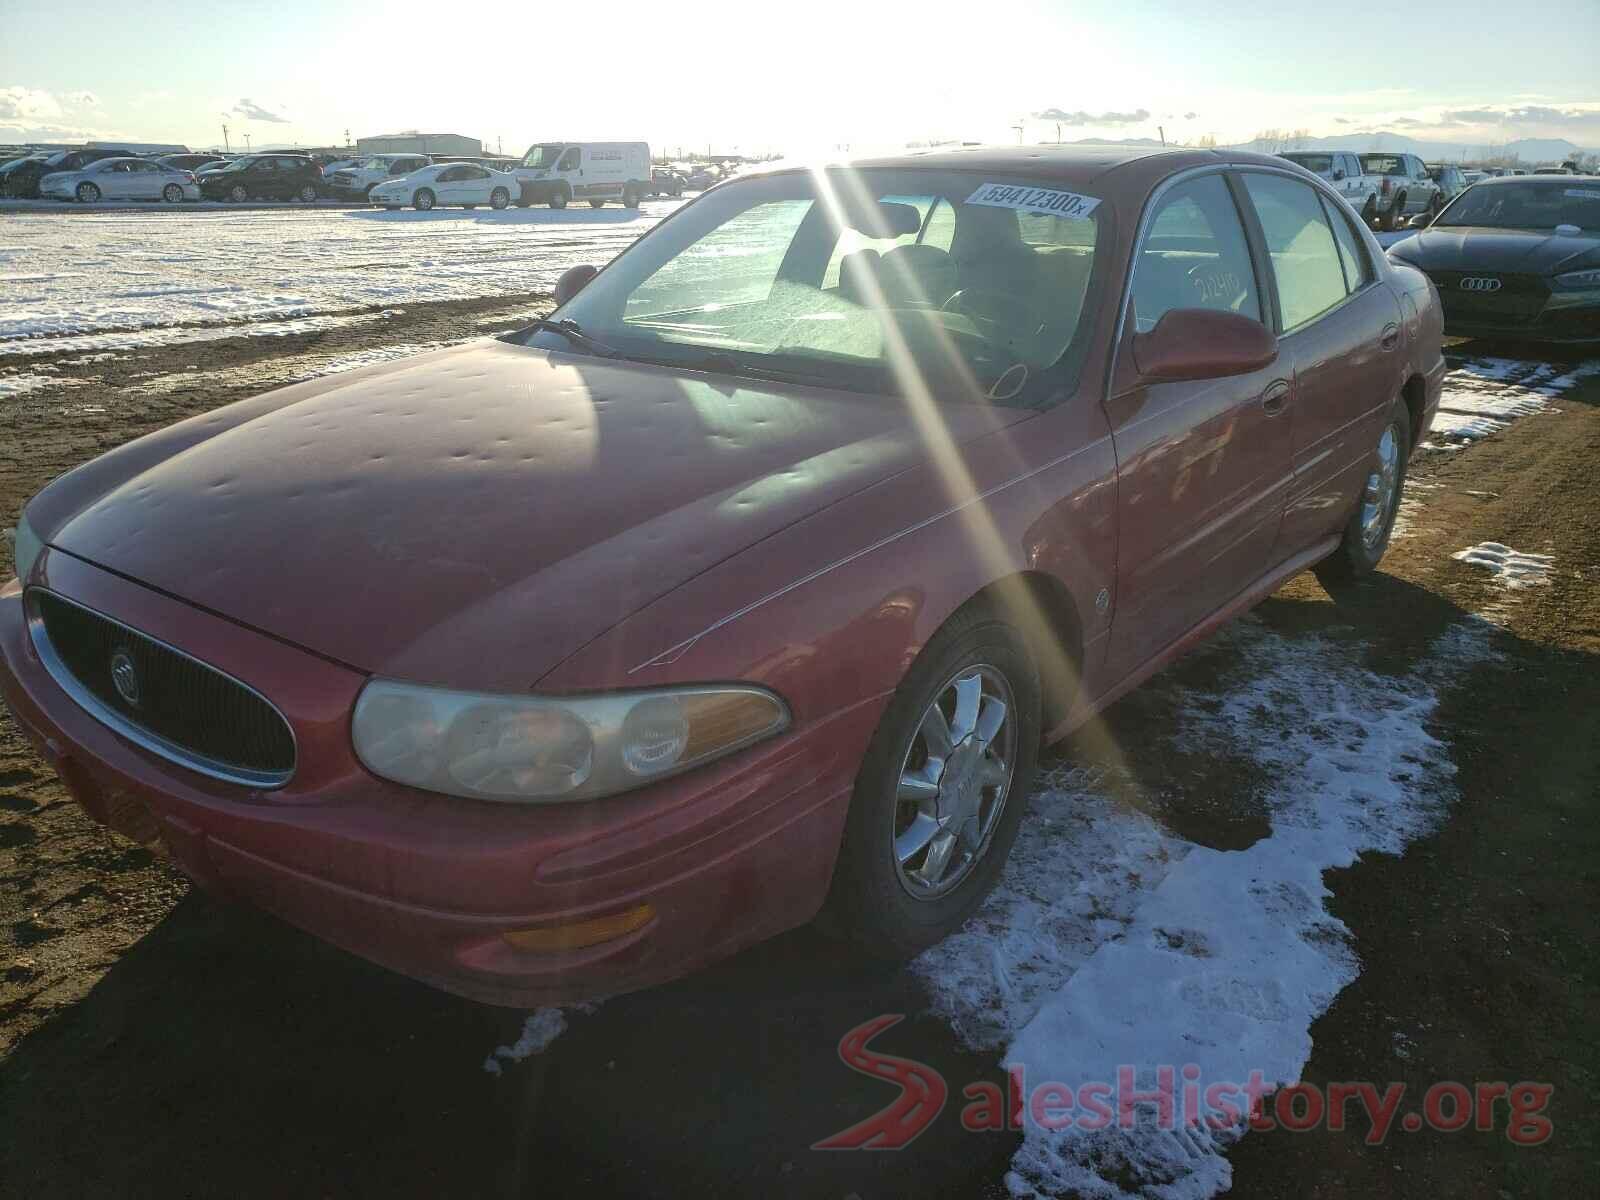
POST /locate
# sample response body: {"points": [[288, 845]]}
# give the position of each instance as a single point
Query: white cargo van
{"points": [[556, 173]]}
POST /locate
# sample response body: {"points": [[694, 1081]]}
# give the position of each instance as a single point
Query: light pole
{"points": [[1018, 128], [226, 148], [247, 143]]}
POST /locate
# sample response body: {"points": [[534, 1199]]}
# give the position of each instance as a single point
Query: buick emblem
{"points": [[125, 677], [1481, 283]]}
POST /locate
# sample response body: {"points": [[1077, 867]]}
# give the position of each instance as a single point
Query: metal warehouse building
{"points": [[412, 142]]}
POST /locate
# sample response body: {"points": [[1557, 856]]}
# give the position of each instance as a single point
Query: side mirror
{"points": [[1421, 221], [573, 281], [1200, 343]]}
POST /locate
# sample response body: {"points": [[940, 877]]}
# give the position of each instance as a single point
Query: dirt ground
{"points": [[154, 1041]]}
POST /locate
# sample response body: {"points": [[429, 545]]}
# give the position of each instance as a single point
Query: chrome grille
{"points": [[161, 698]]}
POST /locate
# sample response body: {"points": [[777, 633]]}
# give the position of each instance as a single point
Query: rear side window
{"points": [[1195, 256], [1352, 255], [1300, 244]]}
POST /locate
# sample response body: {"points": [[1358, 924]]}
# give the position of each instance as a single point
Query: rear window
{"points": [[1322, 164]]}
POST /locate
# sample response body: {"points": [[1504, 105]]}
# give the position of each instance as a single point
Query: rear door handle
{"points": [[1390, 338], [1276, 397]]}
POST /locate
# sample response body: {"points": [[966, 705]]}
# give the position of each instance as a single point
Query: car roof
{"points": [[1073, 165], [1565, 180]]}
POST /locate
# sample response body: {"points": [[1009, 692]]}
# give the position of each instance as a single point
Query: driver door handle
{"points": [[1390, 338], [1276, 397]]}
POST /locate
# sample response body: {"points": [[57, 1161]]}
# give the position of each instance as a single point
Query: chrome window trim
{"points": [[139, 736], [1147, 217]]}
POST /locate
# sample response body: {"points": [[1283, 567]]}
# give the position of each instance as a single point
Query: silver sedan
{"points": [[122, 179]]}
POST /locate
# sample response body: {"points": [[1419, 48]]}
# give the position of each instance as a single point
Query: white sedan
{"points": [[466, 184], [122, 179]]}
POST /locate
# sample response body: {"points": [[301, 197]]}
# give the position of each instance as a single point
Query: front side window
{"points": [[839, 278], [569, 160], [1195, 256], [1305, 259]]}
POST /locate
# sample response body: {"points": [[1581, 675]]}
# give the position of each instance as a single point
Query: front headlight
{"points": [[553, 748], [25, 547], [1579, 279]]}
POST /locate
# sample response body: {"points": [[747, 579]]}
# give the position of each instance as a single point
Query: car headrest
{"points": [[858, 276]]}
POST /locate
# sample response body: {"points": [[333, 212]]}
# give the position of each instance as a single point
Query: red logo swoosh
{"points": [[921, 1099]]}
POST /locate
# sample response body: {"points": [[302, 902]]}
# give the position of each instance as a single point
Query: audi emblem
{"points": [[1481, 283]]}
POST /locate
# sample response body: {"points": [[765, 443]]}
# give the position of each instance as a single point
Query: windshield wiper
{"points": [[728, 364], [570, 330]]}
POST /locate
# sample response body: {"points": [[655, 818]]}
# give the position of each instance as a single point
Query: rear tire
{"points": [[88, 193], [1396, 214], [172, 194], [1366, 536], [238, 193], [630, 199], [423, 200], [894, 900], [308, 194]]}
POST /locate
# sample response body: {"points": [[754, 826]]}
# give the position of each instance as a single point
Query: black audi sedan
{"points": [[1516, 257]]}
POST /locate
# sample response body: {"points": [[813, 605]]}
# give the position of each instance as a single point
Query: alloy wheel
{"points": [[1383, 482], [955, 779]]}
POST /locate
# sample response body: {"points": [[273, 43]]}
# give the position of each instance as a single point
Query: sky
{"points": [[818, 78]]}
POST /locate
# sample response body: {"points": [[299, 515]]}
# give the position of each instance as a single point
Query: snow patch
{"points": [[542, 1027], [1111, 943], [1511, 568]]}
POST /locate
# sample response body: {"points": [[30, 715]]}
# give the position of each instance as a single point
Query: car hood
{"points": [[473, 516], [1528, 252]]}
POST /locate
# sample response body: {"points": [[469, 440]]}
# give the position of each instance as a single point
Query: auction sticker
{"points": [[1046, 201], [1571, 193]]}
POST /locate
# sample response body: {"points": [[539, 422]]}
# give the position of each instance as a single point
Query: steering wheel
{"points": [[992, 308]]}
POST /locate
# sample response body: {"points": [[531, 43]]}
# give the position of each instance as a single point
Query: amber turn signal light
{"points": [[554, 938]]}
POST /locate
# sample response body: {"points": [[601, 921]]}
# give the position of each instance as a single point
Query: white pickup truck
{"points": [[357, 181], [1344, 173]]}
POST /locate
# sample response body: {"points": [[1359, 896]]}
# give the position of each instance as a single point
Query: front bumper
{"points": [[427, 885]]}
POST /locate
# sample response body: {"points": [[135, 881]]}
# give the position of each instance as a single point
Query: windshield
{"points": [[1526, 204], [543, 155], [971, 285], [1320, 163]]}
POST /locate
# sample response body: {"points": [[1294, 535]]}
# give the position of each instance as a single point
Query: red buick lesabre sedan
{"points": [[744, 588]]}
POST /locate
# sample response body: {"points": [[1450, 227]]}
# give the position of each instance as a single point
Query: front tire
{"points": [[308, 194], [423, 200], [88, 193], [941, 792], [1367, 534], [499, 198], [559, 198], [238, 193]]}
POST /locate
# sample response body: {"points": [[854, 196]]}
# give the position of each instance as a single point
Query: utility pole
{"points": [[226, 148], [247, 143], [1163, 133]]}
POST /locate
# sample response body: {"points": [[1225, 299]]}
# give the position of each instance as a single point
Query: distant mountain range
{"points": [[1528, 150]]}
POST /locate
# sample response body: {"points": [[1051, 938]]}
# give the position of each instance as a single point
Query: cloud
{"points": [[26, 104], [82, 99], [251, 111], [1084, 118], [1527, 114], [1343, 121], [1190, 116]]}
